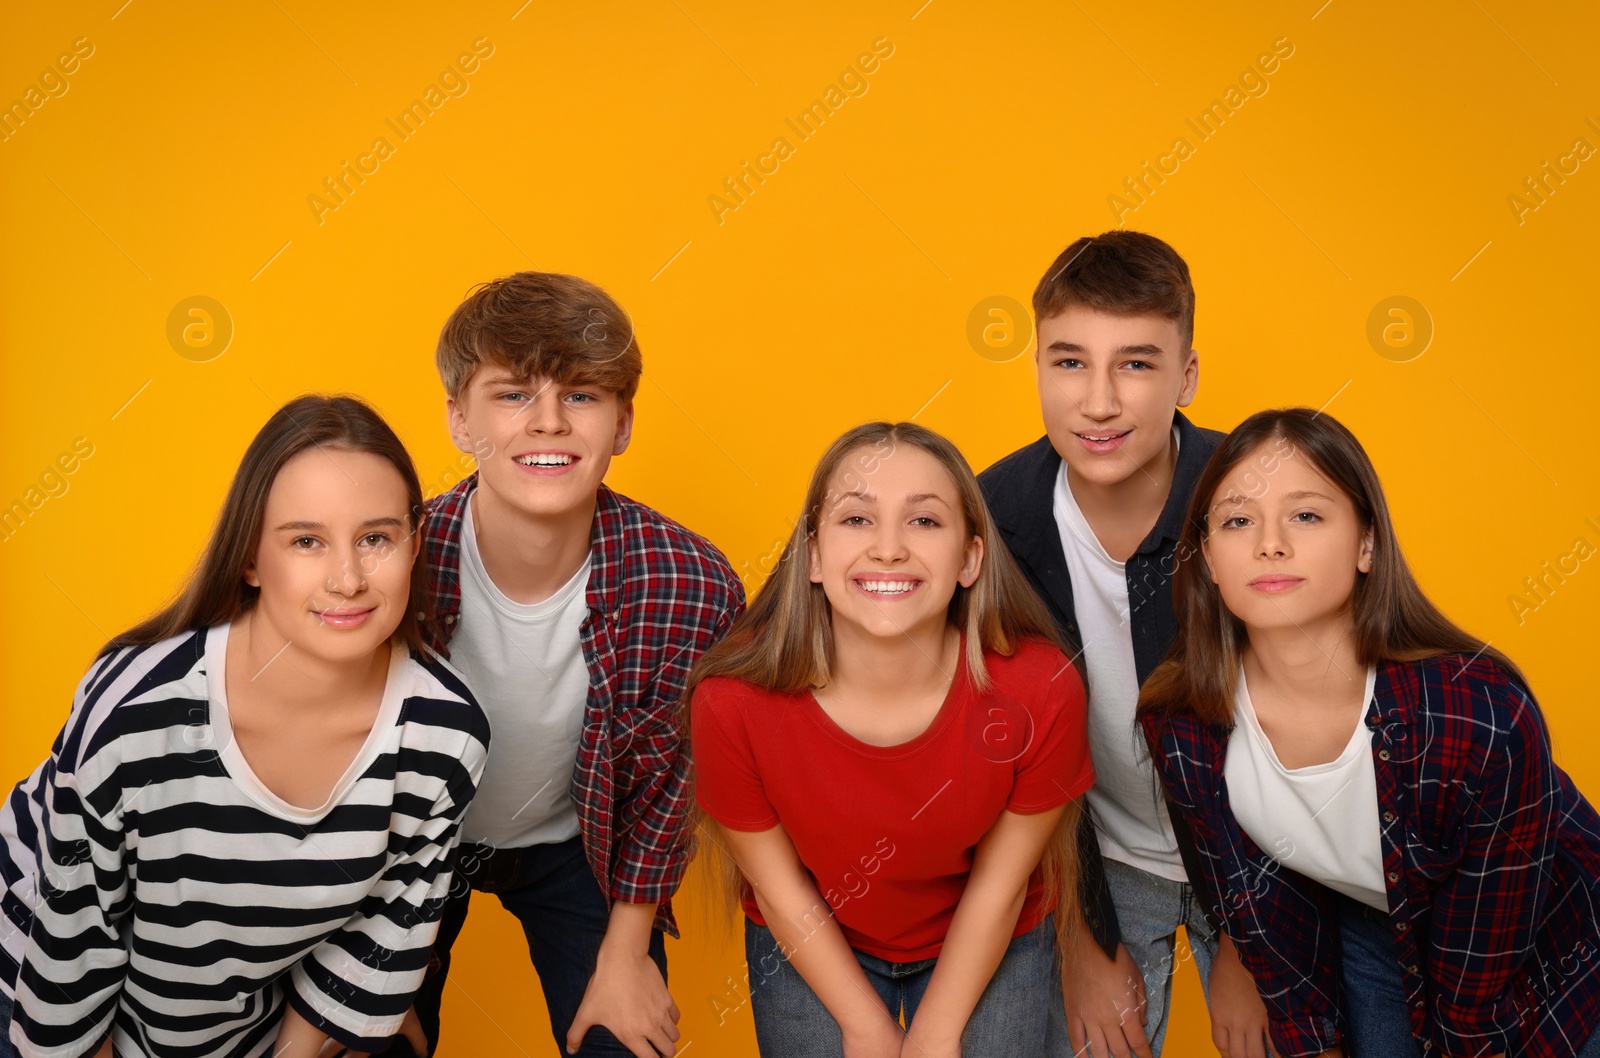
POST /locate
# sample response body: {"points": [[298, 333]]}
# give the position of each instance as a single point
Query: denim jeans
{"points": [[563, 913], [1010, 1020], [1378, 1022], [1150, 909], [6, 1050]]}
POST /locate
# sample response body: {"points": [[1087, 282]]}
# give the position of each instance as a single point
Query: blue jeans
{"points": [[1378, 1023], [1010, 1020], [6, 1050], [1150, 909], [563, 913]]}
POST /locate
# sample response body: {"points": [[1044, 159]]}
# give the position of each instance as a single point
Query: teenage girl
{"points": [[242, 837], [886, 744], [1401, 866]]}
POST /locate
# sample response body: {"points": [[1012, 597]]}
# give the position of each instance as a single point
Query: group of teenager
{"points": [[974, 753]]}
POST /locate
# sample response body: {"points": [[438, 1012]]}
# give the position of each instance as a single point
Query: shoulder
{"points": [[1017, 472], [1036, 672], [666, 554], [440, 523], [131, 692], [439, 702], [1465, 700], [727, 695]]}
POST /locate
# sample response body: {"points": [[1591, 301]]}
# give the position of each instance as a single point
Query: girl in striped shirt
{"points": [[242, 837]]}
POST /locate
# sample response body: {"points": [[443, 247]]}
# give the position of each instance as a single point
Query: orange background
{"points": [[1380, 161]]}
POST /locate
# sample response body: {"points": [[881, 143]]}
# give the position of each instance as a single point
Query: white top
{"points": [[1132, 819], [1321, 820], [525, 665], [149, 881]]}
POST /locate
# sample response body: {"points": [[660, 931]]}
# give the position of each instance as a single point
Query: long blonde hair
{"points": [[784, 641]]}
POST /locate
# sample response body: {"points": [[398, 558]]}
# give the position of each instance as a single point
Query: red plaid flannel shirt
{"points": [[659, 596], [1491, 858]]}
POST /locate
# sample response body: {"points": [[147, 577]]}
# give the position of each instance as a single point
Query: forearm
{"points": [[628, 929], [810, 938], [979, 935], [297, 1037]]}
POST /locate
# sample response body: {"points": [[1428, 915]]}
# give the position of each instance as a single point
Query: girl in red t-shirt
{"points": [[890, 749]]}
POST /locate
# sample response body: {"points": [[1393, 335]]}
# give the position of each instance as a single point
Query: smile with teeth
{"points": [[887, 587], [545, 459], [1102, 437]]}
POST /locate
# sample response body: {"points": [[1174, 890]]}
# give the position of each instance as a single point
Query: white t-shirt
{"points": [[525, 666], [1134, 827], [1321, 820]]}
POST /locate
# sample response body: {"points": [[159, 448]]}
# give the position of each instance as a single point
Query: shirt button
{"points": [[1388, 817], [1394, 876], [421, 616], [1383, 754], [1402, 926], [1413, 968], [450, 620]]}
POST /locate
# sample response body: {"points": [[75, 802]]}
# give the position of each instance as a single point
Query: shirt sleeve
{"points": [[75, 962], [1054, 766], [727, 782], [358, 983], [654, 850], [1486, 912]]}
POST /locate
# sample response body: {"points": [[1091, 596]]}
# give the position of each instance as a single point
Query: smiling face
{"points": [[1284, 547], [892, 545], [542, 447], [1108, 387], [334, 561]]}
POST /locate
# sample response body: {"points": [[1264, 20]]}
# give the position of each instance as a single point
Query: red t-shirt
{"points": [[889, 832]]}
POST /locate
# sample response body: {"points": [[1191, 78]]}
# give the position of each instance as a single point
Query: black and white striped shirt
{"points": [[149, 879]]}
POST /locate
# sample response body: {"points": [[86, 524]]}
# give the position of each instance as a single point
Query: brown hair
{"points": [[541, 324], [1394, 620], [1127, 273], [784, 640], [216, 591]]}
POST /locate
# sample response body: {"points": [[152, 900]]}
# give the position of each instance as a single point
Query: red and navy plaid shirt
{"points": [[659, 596], [1491, 859]]}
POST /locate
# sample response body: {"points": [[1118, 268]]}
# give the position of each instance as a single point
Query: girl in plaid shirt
{"points": [[1398, 861]]}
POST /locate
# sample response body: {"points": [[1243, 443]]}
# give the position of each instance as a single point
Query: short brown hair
{"points": [[1127, 273], [541, 324]]}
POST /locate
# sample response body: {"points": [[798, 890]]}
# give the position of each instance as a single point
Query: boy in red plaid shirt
{"points": [[575, 614]]}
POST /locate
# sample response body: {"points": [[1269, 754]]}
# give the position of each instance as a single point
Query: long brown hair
{"points": [[784, 640], [216, 591], [1393, 619]]}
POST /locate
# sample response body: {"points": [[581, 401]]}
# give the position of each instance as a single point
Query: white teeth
{"points": [[888, 587], [545, 459]]}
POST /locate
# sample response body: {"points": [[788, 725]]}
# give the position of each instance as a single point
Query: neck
{"points": [[530, 556], [296, 680], [1142, 494], [1317, 665], [913, 663]]}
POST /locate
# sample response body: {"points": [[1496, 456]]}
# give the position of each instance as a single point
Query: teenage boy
{"points": [[1092, 511], [575, 615]]}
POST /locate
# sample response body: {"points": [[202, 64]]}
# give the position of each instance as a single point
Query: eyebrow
{"points": [[370, 523], [1121, 350], [872, 497]]}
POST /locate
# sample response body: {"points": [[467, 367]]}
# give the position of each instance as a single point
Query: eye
{"points": [[1069, 361], [1238, 521], [514, 397], [1306, 517], [581, 398], [303, 543], [853, 519], [926, 521], [375, 539], [1140, 365]]}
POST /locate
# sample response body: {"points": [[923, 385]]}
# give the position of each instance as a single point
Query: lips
{"points": [[545, 464], [886, 587], [345, 618], [1102, 441], [1274, 583]]}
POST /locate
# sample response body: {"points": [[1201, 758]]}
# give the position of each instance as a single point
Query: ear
{"points": [[1364, 559], [813, 560], [973, 565], [624, 429], [251, 577], [455, 413], [1191, 379]]}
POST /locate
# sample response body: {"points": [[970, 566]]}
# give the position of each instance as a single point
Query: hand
{"points": [[628, 996], [410, 1028], [1105, 1002], [1238, 1016]]}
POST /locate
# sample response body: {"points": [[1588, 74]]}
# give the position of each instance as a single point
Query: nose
{"points": [[1272, 543], [1099, 396], [348, 577], [886, 544], [545, 413]]}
